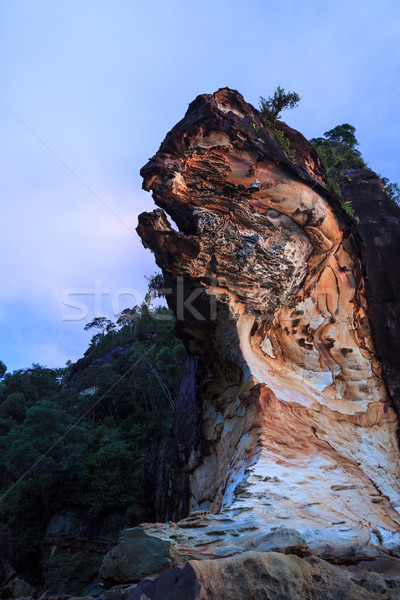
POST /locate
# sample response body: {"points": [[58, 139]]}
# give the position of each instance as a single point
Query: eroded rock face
{"points": [[262, 576], [268, 279], [73, 550], [378, 227]]}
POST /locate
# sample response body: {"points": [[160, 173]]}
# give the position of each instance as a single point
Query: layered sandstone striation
{"points": [[289, 436]]}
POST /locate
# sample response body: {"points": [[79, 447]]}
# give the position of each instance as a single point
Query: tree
{"points": [[156, 287], [272, 106], [35, 382], [337, 149], [43, 466], [342, 135], [127, 317], [14, 407], [392, 189], [124, 407], [3, 369], [103, 324]]}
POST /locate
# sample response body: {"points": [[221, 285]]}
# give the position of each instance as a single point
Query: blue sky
{"points": [[101, 82]]}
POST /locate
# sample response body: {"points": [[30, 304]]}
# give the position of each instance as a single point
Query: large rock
{"points": [[136, 556], [378, 226], [273, 290], [268, 576], [18, 588], [73, 550]]}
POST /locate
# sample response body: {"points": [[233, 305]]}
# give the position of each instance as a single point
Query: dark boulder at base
{"points": [[73, 549]]}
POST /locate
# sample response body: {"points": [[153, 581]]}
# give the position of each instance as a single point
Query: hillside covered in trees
{"points": [[85, 436]]}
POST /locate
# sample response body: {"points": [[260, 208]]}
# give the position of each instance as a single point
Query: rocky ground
{"points": [[250, 575]]}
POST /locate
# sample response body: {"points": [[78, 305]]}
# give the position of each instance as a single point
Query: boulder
{"points": [[137, 555], [18, 588], [73, 549], [266, 576]]}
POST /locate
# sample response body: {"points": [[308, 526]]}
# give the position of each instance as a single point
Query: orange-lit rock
{"points": [[297, 433]]}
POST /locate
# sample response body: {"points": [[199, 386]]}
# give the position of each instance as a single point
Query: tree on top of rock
{"points": [[338, 149], [272, 106], [342, 135]]}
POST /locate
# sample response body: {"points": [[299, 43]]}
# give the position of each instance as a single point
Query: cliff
{"points": [[292, 314], [287, 420]]}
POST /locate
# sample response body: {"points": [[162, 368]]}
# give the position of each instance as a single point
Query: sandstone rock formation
{"points": [[292, 442], [271, 576]]}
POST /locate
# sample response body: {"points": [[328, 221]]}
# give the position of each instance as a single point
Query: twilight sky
{"points": [[88, 90]]}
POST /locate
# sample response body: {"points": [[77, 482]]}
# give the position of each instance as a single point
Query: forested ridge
{"points": [[79, 436]]}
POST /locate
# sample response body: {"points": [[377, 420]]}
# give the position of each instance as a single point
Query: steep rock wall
{"points": [[378, 227], [267, 276]]}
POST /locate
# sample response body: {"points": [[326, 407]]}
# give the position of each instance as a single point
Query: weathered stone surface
{"points": [[18, 588], [50, 596], [378, 227], [73, 549], [136, 555], [118, 592], [266, 576], [270, 287]]}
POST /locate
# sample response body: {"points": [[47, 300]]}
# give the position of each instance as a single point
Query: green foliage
{"points": [[338, 151], [156, 287], [55, 475], [272, 106], [284, 143], [128, 317], [342, 135], [34, 382], [3, 369], [101, 323], [392, 189], [83, 436], [14, 407], [116, 474], [350, 210], [270, 109]]}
